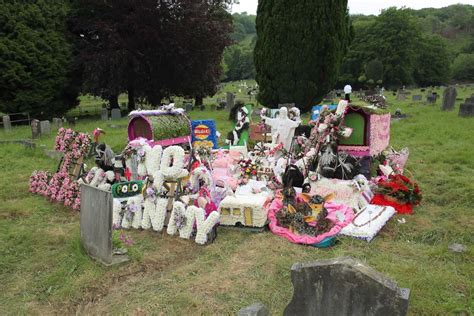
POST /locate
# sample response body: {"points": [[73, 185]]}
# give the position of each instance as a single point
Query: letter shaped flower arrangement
{"points": [[60, 187], [149, 210]]}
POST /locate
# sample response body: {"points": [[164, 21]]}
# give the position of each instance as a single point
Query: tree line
{"points": [[52, 50]]}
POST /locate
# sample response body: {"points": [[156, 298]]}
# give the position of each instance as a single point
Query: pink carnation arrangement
{"points": [[60, 187]]}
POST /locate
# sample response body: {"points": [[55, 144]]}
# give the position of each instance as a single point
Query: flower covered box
{"points": [[371, 131]]}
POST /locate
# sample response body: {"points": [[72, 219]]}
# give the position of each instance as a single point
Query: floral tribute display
{"points": [[60, 187], [308, 183], [399, 192]]}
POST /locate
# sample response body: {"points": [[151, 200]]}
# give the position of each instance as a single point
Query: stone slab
{"points": [[104, 114], [45, 128], [7, 125], [96, 225], [344, 286], [449, 99], [116, 114], [35, 129]]}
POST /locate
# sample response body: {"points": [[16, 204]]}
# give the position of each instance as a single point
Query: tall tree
{"points": [[432, 64], [152, 49], [36, 72], [299, 49], [394, 38]]}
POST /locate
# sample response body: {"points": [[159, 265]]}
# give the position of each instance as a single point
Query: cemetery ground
{"points": [[44, 270]]}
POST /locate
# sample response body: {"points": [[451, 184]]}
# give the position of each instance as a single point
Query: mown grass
{"points": [[44, 270]]}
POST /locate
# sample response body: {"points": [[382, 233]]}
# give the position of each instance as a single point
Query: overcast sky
{"points": [[366, 6]]}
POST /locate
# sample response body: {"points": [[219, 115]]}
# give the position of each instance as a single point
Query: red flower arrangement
{"points": [[399, 192]]}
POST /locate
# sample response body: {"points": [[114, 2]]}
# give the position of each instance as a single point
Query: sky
{"points": [[366, 6]]}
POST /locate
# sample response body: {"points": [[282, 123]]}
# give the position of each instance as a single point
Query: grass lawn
{"points": [[44, 270]]}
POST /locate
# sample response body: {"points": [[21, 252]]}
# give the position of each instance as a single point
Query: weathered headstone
{"points": [[431, 98], [57, 122], [467, 108], [115, 114], [449, 98], [7, 125], [188, 107], [35, 129], [344, 286], [96, 225], [104, 114], [45, 128], [417, 97], [257, 309], [230, 98]]}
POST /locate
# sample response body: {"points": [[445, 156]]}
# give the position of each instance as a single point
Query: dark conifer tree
{"points": [[299, 49]]}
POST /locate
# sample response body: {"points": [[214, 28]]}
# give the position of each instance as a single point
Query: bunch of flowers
{"points": [[399, 188], [299, 148], [64, 139], [71, 194], [39, 182], [55, 185], [130, 211], [248, 167], [80, 145]]}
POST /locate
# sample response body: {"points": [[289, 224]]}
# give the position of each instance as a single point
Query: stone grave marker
{"points": [[104, 114], [344, 286], [417, 97], [7, 125], [449, 98], [35, 129], [116, 114], [230, 98], [467, 108], [188, 107], [57, 122], [431, 98], [45, 128], [96, 225]]}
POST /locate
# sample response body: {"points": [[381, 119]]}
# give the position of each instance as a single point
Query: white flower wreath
{"points": [[176, 170], [116, 213], [153, 159], [154, 214], [189, 213], [205, 226]]}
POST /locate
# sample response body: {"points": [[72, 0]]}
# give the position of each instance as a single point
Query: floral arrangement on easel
{"points": [[59, 187]]}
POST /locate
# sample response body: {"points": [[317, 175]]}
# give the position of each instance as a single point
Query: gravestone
{"points": [[449, 98], [115, 114], [431, 98], [104, 114], [188, 107], [57, 123], [467, 108], [417, 97], [96, 225], [35, 129], [343, 286], [230, 98], [7, 125], [45, 128]]}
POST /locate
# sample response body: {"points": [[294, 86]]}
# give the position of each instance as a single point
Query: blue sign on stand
{"points": [[204, 133], [317, 110]]}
